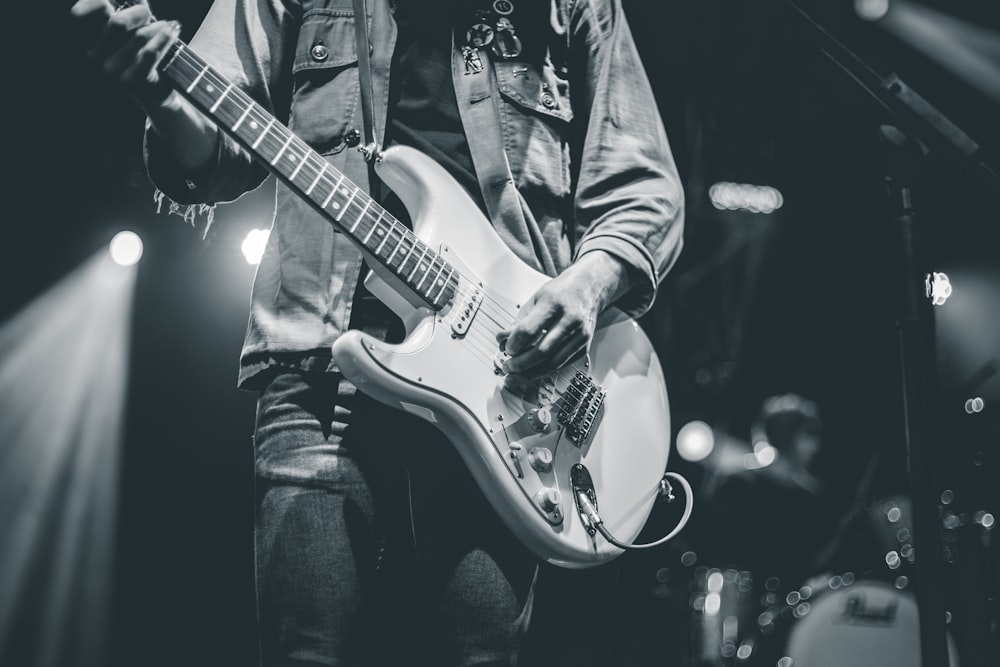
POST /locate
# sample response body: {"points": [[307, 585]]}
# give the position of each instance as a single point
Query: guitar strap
{"points": [[477, 105], [476, 93], [370, 148]]}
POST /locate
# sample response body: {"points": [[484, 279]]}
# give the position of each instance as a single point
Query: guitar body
{"points": [[606, 412], [598, 426]]}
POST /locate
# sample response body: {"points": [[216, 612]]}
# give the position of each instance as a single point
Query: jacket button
{"points": [[353, 137], [548, 101], [319, 53]]}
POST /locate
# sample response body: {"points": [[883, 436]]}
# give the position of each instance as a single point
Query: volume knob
{"points": [[548, 499], [539, 419], [540, 458]]}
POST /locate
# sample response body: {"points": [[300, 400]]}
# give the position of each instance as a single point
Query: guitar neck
{"points": [[306, 172]]}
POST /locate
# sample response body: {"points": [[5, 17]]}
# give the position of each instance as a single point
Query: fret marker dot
{"points": [[335, 204], [209, 88], [253, 124]]}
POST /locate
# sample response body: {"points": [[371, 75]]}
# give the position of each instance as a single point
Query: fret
{"points": [[384, 239], [260, 137], [333, 191], [243, 117], [405, 257], [388, 260], [298, 168], [272, 142], [172, 54], [282, 151], [375, 225], [318, 176], [347, 203], [417, 265], [197, 79], [361, 215], [444, 284], [221, 97], [427, 273]]}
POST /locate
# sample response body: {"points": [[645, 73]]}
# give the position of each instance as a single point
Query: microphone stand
{"points": [[921, 129]]}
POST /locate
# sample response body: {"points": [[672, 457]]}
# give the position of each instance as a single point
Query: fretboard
{"points": [[342, 202]]}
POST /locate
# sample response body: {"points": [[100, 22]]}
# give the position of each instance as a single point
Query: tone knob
{"points": [[548, 499], [539, 419], [540, 458]]}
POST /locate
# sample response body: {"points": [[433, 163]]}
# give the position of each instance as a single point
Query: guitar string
{"points": [[500, 316], [494, 311], [307, 155]]}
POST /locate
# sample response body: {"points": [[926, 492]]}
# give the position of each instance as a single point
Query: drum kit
{"points": [[833, 619]]}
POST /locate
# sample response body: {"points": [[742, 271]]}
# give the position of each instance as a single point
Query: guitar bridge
{"points": [[582, 402]]}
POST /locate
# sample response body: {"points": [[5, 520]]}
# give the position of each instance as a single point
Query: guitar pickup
{"points": [[465, 311]]}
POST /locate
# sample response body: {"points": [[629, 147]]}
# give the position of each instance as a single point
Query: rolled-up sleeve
{"points": [[248, 42], [628, 197]]}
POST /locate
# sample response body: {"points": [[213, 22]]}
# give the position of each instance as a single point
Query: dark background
{"points": [[801, 300]]}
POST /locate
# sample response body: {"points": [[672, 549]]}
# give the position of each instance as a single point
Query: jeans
{"points": [[373, 544]]}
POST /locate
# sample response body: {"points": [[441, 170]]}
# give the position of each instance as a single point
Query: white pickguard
{"points": [[450, 381]]}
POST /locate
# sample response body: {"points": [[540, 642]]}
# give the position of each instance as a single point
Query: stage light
{"points": [[764, 456], [871, 10], [125, 248], [938, 287], [745, 197], [63, 385], [254, 244], [695, 441]]}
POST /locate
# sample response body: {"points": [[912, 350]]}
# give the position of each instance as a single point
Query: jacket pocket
{"points": [[535, 118], [326, 92]]}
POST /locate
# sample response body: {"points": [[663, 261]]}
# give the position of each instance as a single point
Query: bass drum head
{"points": [[866, 624]]}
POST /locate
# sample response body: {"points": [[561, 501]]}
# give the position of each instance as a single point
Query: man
{"points": [[776, 517], [373, 545]]}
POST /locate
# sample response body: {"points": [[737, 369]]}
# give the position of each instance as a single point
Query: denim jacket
{"points": [[587, 151]]}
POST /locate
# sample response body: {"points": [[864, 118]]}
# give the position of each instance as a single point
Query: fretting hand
{"points": [[127, 45]]}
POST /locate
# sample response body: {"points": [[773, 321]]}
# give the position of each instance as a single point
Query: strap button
{"points": [[548, 101], [319, 52], [353, 137]]}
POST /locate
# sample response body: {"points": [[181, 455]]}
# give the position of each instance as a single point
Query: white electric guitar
{"points": [[599, 427]]}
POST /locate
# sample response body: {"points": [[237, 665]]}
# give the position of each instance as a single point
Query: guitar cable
{"points": [[587, 508]]}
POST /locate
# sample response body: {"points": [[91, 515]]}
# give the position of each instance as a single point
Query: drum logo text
{"points": [[857, 610]]}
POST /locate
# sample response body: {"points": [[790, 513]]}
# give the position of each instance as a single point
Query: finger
{"points": [[552, 350], [119, 30], [137, 61], [530, 328], [91, 17], [517, 382], [535, 354]]}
